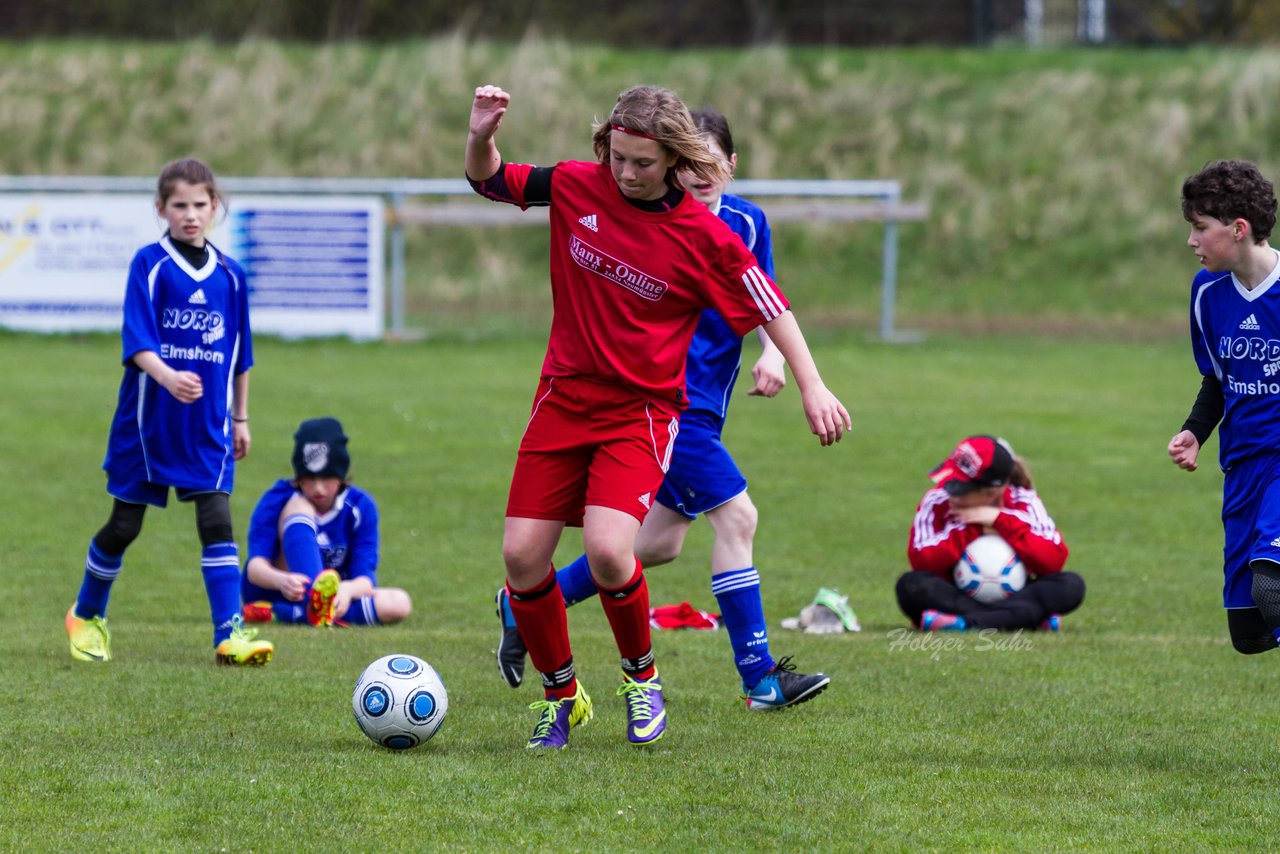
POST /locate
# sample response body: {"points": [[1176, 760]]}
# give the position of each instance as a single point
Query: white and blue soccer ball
{"points": [[400, 701], [989, 570]]}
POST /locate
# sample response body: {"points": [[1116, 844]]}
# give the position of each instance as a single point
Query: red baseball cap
{"points": [[976, 463]]}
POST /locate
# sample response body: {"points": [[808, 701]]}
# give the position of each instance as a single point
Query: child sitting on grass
{"points": [[313, 542]]}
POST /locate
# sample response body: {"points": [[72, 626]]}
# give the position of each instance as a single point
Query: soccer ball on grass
{"points": [[989, 570], [400, 701]]}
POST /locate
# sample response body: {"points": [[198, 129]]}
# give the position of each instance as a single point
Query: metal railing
{"points": [[887, 208]]}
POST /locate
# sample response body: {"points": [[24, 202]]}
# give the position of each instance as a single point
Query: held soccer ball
{"points": [[400, 701], [989, 570]]}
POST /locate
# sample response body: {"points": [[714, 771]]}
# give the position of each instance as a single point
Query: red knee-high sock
{"points": [[540, 617], [627, 608]]}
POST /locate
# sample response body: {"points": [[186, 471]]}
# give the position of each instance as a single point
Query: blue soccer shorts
{"points": [[702, 475], [1251, 524], [148, 492]]}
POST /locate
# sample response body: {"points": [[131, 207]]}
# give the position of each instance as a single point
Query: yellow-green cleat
{"points": [[557, 717], [320, 601], [241, 649], [90, 639]]}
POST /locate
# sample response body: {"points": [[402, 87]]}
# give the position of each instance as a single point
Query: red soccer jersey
{"points": [[628, 285], [937, 540]]}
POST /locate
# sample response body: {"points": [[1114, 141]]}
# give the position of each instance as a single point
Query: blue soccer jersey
{"points": [[702, 474], [715, 354], [347, 534], [1235, 335], [198, 321]]}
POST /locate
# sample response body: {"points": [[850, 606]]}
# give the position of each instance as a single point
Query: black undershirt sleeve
{"points": [[537, 187], [1207, 410], [537, 190]]}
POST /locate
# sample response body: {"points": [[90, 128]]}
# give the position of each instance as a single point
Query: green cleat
{"points": [[241, 649], [90, 639]]}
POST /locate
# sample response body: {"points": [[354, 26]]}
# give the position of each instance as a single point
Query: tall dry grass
{"points": [[1052, 176]]}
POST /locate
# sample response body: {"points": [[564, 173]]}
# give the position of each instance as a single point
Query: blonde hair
{"points": [[660, 115]]}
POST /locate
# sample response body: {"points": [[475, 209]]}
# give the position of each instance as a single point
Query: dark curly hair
{"points": [[1230, 189]]}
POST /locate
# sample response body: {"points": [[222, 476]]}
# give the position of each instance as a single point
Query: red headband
{"points": [[633, 132]]}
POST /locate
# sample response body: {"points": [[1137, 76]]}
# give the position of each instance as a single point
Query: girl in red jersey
{"points": [[634, 261], [984, 488]]}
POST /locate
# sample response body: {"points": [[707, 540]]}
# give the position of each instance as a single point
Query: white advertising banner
{"points": [[315, 263]]}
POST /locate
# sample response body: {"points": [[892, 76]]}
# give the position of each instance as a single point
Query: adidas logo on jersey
{"points": [[590, 222], [198, 298], [645, 499], [1276, 542], [1250, 322]]}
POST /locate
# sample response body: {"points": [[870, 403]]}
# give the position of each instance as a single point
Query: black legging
{"points": [[1056, 593], [213, 522]]}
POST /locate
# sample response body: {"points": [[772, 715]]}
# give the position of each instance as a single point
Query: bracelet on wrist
{"points": [[240, 420]]}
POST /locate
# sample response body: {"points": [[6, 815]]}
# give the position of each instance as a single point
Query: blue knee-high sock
{"points": [[220, 565], [361, 613], [575, 581], [298, 542], [100, 571], [738, 594]]}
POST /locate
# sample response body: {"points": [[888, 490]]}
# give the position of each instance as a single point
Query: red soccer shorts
{"points": [[590, 443]]}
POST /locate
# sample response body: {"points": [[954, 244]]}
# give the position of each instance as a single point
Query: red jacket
{"points": [[937, 540]]}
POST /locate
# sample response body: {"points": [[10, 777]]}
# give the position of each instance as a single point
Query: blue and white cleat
{"points": [[782, 687]]}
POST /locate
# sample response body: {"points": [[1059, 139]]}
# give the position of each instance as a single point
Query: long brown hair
{"points": [[190, 171], [1021, 474], [660, 115]]}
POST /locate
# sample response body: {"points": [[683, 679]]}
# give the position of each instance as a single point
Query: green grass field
{"points": [[1137, 728]]}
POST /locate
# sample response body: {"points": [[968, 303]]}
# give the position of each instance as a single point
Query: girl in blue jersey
{"points": [[1235, 337], [702, 477], [182, 419], [313, 542]]}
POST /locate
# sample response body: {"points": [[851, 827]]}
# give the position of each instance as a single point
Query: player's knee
{"points": [[1250, 631], [213, 518], [1255, 645], [523, 569], [736, 521], [659, 551], [1266, 588], [612, 569], [910, 585], [297, 504], [1072, 589], [393, 605], [122, 528]]}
